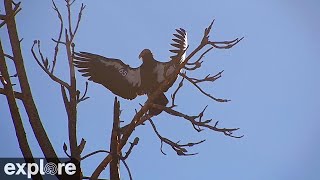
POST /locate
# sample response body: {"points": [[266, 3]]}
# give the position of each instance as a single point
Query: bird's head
{"points": [[145, 54]]}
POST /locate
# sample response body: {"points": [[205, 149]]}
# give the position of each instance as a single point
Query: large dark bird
{"points": [[129, 82]]}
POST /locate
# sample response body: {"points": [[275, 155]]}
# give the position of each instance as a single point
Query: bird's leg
{"points": [[160, 100]]}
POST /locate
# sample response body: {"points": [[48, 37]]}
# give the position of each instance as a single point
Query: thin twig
{"points": [[78, 22], [58, 41], [198, 62], [134, 143], [84, 96], [72, 2], [179, 148], [53, 77], [69, 18], [86, 177], [199, 123], [208, 78], [93, 153], [8, 56], [228, 44], [173, 96], [13, 13], [127, 167], [17, 95], [65, 149], [202, 91]]}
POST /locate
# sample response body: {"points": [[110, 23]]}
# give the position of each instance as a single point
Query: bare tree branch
{"points": [[134, 143], [10, 15], [227, 44], [72, 116], [81, 145], [127, 167], [78, 22], [197, 64], [84, 96], [202, 91], [17, 95], [15, 114], [85, 177], [28, 102], [179, 148], [93, 153], [114, 142], [68, 4], [173, 96], [8, 56], [52, 76], [199, 123], [58, 41], [208, 78]]}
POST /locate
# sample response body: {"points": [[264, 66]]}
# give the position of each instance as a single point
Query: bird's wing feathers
{"points": [[123, 80], [164, 70], [118, 77], [180, 46]]}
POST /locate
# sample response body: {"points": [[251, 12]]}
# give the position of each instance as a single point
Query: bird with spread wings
{"points": [[128, 82]]}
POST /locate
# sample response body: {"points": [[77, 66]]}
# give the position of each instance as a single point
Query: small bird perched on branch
{"points": [[128, 82]]}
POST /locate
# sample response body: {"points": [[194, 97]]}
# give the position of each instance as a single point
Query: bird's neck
{"points": [[148, 77], [149, 61]]}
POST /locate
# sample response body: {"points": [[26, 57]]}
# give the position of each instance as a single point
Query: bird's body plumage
{"points": [[129, 82]]}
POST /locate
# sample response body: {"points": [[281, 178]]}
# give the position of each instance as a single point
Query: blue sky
{"points": [[271, 78]]}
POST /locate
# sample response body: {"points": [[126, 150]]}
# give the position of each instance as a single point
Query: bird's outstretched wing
{"points": [[180, 46], [118, 77], [164, 70]]}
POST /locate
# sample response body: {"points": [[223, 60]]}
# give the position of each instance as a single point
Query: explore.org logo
{"points": [[18, 168]]}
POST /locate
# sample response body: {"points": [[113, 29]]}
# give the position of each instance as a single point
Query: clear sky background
{"points": [[271, 78]]}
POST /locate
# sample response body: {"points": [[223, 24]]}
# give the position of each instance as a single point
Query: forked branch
{"points": [[208, 78], [197, 64], [58, 41], [197, 121], [173, 96], [44, 65], [178, 148]]}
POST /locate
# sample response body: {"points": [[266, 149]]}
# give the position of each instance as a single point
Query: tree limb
{"points": [[127, 167], [227, 44], [197, 64], [15, 114], [93, 153], [202, 91], [28, 102], [179, 148], [134, 143], [78, 21], [199, 123], [17, 95], [46, 70], [114, 143], [10, 15], [173, 96], [58, 41], [208, 78], [84, 96]]}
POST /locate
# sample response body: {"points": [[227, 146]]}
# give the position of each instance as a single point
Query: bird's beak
{"points": [[140, 56]]}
